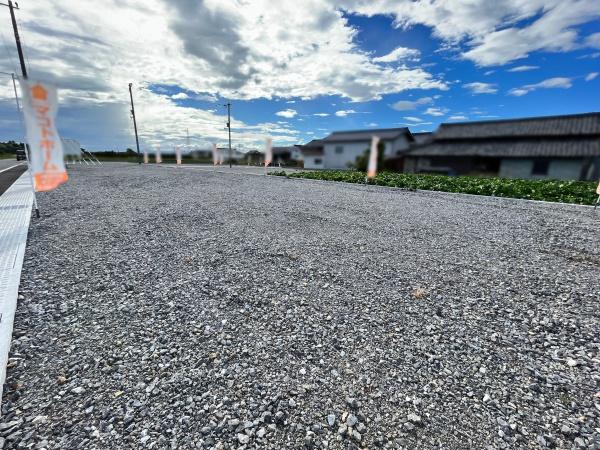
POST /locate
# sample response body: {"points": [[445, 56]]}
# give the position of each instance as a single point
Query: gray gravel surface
{"points": [[173, 308]]}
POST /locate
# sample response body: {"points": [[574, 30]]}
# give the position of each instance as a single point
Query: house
{"points": [[559, 147], [287, 155], [207, 154], [340, 149], [254, 157], [312, 153], [422, 138]]}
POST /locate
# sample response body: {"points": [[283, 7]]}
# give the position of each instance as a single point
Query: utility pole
{"points": [[228, 105], [137, 142], [17, 38], [24, 74]]}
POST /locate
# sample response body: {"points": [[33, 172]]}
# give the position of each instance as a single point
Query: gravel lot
{"points": [[178, 308]]}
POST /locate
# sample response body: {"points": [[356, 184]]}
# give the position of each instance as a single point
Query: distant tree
{"points": [[362, 161], [10, 147], [130, 152]]}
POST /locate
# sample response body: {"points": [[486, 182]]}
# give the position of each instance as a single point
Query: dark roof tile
{"points": [[365, 135], [571, 125], [515, 148]]}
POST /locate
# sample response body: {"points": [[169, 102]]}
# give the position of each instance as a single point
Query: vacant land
{"points": [[179, 308]]}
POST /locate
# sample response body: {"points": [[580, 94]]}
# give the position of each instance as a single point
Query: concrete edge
{"points": [[15, 214]]}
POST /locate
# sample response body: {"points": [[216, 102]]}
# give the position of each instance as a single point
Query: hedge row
{"points": [[579, 192]]}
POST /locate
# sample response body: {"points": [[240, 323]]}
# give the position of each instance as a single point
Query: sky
{"points": [[298, 70]]}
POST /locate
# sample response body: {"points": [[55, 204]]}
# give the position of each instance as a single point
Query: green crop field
{"points": [[579, 192]]}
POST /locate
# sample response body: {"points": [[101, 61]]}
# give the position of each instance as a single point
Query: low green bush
{"points": [[580, 192]]}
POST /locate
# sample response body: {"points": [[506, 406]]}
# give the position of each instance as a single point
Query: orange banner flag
{"points": [[40, 104]]}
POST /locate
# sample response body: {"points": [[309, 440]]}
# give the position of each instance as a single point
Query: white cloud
{"points": [[321, 114], [518, 92], [458, 117], [287, 113], [344, 113], [522, 68], [436, 111], [415, 124], [413, 119], [550, 83], [93, 54], [591, 76], [408, 105], [399, 54], [593, 40], [180, 96], [493, 33], [481, 88]]}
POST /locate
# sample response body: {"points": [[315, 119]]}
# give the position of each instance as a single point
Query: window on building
{"points": [[318, 161], [339, 149], [540, 167]]}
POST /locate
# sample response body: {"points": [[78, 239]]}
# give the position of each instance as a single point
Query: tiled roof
{"points": [[365, 135], [422, 138], [553, 136], [572, 125], [516, 148]]}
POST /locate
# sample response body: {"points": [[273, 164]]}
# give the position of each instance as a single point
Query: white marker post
{"points": [[268, 153], [215, 155], [158, 155], [372, 169], [146, 159], [178, 155]]}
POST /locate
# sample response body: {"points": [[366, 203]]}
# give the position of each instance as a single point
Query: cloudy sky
{"points": [[297, 70]]}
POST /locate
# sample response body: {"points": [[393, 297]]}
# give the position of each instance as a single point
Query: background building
{"points": [[558, 147], [340, 149]]}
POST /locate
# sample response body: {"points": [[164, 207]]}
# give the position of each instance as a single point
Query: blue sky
{"points": [[298, 72]]}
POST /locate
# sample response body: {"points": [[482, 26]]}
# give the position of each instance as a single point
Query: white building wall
{"points": [[558, 169], [313, 162], [565, 169], [398, 146], [350, 151], [515, 168]]}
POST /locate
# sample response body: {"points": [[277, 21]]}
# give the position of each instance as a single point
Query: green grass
{"points": [[579, 192], [7, 156]]}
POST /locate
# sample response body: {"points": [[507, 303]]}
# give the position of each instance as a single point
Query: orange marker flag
{"points": [[372, 169], [40, 104]]}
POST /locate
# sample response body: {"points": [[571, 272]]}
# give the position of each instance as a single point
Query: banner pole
{"points": [[35, 203]]}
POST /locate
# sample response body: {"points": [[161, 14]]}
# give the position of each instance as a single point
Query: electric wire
{"points": [[10, 58]]}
